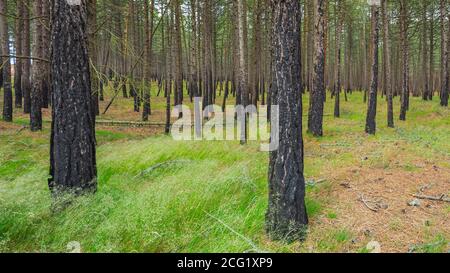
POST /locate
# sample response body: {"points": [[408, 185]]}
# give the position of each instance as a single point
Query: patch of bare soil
{"points": [[379, 205]]}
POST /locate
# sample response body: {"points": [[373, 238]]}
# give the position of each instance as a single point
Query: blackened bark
{"points": [[372, 106], [286, 216], [73, 160], [4, 40], [315, 121]]}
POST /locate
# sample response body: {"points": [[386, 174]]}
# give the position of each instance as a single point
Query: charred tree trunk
{"points": [[72, 148], [315, 121], [286, 217]]}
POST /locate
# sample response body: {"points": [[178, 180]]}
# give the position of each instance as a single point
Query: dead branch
{"points": [[442, 198]]}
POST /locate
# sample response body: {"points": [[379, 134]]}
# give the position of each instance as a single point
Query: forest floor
{"points": [[159, 195]]}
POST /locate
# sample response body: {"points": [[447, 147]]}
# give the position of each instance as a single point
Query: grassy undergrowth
{"points": [[158, 195]]}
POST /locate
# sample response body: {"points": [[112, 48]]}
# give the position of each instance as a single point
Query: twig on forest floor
{"points": [[442, 198], [21, 129], [250, 242], [366, 203], [160, 165]]}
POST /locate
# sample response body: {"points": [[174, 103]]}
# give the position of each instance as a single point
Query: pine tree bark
{"points": [[18, 66], [444, 54], [148, 28], [286, 217], [72, 148], [387, 65], [243, 76], [92, 30], [7, 86], [338, 58], [315, 121], [372, 106], [26, 63], [426, 86], [405, 60], [37, 94]]}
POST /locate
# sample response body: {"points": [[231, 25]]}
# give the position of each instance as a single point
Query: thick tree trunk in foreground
{"points": [[387, 66], [371, 125], [7, 88], [72, 148], [286, 216], [315, 121]]}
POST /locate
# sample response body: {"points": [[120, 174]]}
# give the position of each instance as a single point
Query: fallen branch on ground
{"points": [[442, 198]]}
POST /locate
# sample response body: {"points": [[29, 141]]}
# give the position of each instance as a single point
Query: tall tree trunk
{"points": [[4, 40], [26, 63], [315, 121], [387, 65], [372, 106], [18, 66], [37, 94], [405, 59], [178, 73], [286, 216], [92, 30], [444, 54], [426, 86], [146, 86], [45, 53], [337, 71], [431, 57], [73, 167], [242, 66]]}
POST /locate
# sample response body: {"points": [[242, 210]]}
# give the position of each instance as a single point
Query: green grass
{"points": [[158, 195]]}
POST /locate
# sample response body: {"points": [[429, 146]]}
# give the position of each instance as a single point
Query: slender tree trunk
{"points": [[19, 52], [4, 40], [387, 65], [444, 55], [37, 94], [26, 63], [372, 106], [315, 121], [286, 217], [147, 58], [405, 60], [426, 86], [337, 71], [73, 166], [92, 28], [242, 66]]}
